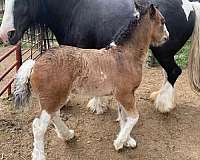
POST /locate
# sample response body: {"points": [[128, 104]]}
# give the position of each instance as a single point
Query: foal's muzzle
{"points": [[166, 34]]}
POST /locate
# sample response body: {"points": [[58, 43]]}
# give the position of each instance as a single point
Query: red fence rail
{"points": [[17, 64]]}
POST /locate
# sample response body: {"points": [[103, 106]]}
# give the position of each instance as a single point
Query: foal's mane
{"points": [[125, 32]]}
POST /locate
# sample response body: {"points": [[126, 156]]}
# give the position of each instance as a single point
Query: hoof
{"points": [[71, 135], [67, 136], [118, 145], [96, 106], [36, 155], [131, 143], [165, 103], [163, 106], [165, 100], [153, 96], [162, 103]]}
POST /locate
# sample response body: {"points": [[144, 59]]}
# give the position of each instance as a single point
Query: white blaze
{"points": [[166, 31], [187, 7], [8, 20]]}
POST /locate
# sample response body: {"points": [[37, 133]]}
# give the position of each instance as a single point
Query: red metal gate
{"points": [[14, 50]]}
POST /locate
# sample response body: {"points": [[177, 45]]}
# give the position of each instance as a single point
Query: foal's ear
{"points": [[157, 6], [152, 11], [137, 6]]}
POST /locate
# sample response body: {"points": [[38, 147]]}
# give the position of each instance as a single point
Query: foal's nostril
{"points": [[137, 15], [10, 34], [166, 38]]}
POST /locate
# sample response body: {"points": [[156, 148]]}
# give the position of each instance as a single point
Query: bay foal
{"points": [[115, 71]]}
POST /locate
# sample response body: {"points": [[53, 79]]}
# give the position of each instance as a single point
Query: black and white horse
{"points": [[183, 20], [92, 24], [82, 23]]}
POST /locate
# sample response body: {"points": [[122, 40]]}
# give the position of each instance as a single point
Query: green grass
{"points": [[1, 44], [26, 45], [1, 66], [182, 56]]}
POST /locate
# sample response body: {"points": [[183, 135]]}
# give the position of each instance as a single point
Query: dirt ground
{"points": [[173, 136]]}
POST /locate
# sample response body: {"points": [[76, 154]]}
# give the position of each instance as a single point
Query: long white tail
{"points": [[22, 86], [194, 56]]}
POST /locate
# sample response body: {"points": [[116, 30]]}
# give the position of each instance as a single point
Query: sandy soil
{"points": [[173, 136]]}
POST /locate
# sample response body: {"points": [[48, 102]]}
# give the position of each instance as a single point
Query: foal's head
{"points": [[159, 33], [153, 20]]}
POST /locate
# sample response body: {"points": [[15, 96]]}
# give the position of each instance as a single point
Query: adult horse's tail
{"points": [[22, 85], [194, 56]]}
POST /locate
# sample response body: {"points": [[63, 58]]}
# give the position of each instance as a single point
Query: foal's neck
{"points": [[138, 44]]}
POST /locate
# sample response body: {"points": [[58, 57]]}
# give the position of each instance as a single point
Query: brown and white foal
{"points": [[116, 71]]}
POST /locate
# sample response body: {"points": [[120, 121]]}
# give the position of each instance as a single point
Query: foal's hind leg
{"points": [[39, 128], [62, 130], [128, 118]]}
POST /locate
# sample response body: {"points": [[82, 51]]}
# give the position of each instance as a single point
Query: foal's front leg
{"points": [[39, 128], [122, 119], [128, 118], [62, 130]]}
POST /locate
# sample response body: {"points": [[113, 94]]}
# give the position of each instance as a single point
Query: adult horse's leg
{"points": [[39, 128], [96, 105], [128, 118], [62, 130], [164, 99]]}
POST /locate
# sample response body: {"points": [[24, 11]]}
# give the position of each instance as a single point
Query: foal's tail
{"points": [[194, 56], [22, 85]]}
